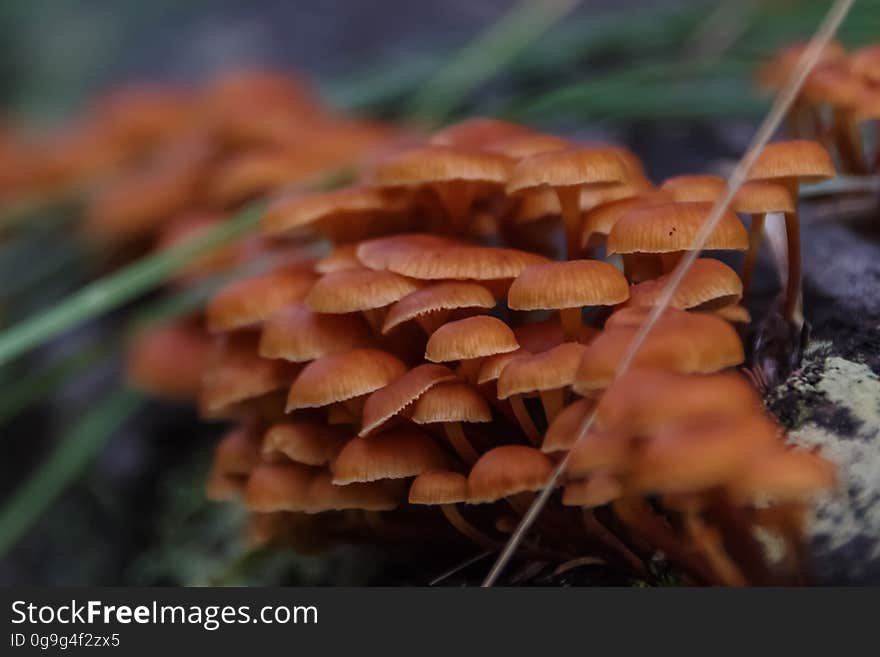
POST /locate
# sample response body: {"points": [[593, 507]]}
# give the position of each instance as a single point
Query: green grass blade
{"points": [[69, 460], [484, 57], [112, 291]]}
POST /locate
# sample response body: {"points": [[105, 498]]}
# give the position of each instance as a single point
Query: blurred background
{"points": [[123, 502]]}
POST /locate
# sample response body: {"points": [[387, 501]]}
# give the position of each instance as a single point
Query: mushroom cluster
{"points": [[838, 104], [423, 378]]}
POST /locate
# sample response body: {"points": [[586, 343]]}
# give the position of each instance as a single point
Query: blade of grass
{"points": [[482, 58], [69, 460], [37, 384], [114, 290]]}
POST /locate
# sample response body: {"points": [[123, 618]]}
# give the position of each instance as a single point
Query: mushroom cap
{"points": [[437, 487], [832, 83], [563, 431], [521, 146], [235, 373], [700, 455], [569, 167], [598, 490], [253, 172], [278, 487], [303, 441], [323, 495], [251, 301], [774, 74], [567, 284], [680, 341], [388, 252], [694, 188], [601, 219], [297, 210], [355, 290], [642, 401], [785, 475], [432, 258], [437, 164], [762, 196], [473, 337], [341, 257], [238, 451], [508, 470], [867, 106], [595, 197], [342, 376], [395, 454], [735, 314], [800, 159], [478, 132], [550, 370], [866, 62], [168, 360], [708, 283], [387, 402], [298, 335], [599, 450], [492, 366], [440, 296], [674, 227], [453, 401]]}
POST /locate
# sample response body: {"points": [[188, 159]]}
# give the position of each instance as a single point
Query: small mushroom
{"points": [[386, 403], [251, 301], [359, 290], [450, 404], [298, 335], [568, 172], [549, 374], [469, 341], [395, 454], [447, 490], [666, 231], [568, 287], [345, 377], [431, 306]]}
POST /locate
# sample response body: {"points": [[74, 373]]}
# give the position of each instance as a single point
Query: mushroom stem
{"points": [[756, 236], [571, 321], [709, 543], [669, 261], [375, 318], [553, 402], [847, 141], [524, 419], [638, 267], [467, 529], [635, 514], [607, 538], [430, 322], [457, 199], [470, 370], [460, 443], [355, 406], [570, 205], [793, 282]]}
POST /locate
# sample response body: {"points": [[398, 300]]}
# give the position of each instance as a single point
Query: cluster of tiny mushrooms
{"points": [[418, 380]]}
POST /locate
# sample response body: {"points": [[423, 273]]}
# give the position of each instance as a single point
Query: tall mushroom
{"points": [[791, 163], [666, 231], [451, 404], [568, 172]]}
